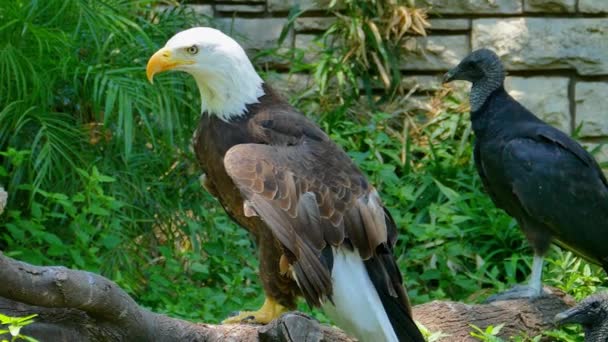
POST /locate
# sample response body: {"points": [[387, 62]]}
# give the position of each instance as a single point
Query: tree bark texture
{"points": [[82, 306], [521, 316]]}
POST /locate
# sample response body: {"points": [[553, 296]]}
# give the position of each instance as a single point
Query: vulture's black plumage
{"points": [[536, 173], [592, 314]]}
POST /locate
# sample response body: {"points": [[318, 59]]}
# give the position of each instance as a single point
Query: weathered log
{"points": [[61, 324], [82, 306], [521, 316]]}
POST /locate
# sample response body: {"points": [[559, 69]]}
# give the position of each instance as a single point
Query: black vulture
{"points": [[553, 188], [592, 314]]}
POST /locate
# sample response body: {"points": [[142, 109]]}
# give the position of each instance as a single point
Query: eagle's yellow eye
{"points": [[193, 50]]}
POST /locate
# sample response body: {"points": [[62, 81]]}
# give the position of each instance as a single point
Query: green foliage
{"points": [[358, 55], [84, 214], [488, 334], [72, 71], [574, 275], [13, 326], [215, 276], [96, 162], [431, 336], [364, 44], [566, 334]]}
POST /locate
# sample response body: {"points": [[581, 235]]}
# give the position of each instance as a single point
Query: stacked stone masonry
{"points": [[555, 51]]}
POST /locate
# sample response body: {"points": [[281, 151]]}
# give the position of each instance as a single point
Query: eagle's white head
{"points": [[225, 77]]}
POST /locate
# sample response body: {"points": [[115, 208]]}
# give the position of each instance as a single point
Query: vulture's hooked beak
{"points": [[572, 315], [163, 60], [449, 76]]}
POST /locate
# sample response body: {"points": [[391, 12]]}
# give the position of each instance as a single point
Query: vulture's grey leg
{"points": [[537, 274], [533, 289]]}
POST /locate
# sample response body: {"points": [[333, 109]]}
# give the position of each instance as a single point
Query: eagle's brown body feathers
{"points": [[280, 176], [212, 140]]}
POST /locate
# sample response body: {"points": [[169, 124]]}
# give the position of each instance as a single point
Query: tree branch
{"points": [[528, 316], [78, 305]]}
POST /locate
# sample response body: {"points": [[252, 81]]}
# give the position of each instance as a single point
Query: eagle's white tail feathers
{"points": [[358, 309]]}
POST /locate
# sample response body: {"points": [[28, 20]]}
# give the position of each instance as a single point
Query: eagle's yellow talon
{"points": [[269, 311]]}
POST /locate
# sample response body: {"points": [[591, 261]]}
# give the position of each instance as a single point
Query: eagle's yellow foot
{"points": [[269, 311]]}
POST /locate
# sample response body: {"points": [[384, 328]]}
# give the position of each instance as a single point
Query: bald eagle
{"points": [[320, 227]]}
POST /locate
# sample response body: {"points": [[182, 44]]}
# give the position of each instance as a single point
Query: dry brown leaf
{"points": [[407, 22], [385, 78], [417, 27], [349, 54], [392, 25], [361, 50], [419, 22], [372, 26]]}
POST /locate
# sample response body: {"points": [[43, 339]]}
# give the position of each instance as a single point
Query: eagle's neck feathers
{"points": [[228, 89]]}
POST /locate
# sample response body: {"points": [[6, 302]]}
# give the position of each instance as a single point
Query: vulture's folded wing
{"points": [[562, 188]]}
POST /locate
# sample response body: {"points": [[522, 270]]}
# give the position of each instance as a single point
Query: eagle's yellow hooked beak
{"points": [[163, 60]]}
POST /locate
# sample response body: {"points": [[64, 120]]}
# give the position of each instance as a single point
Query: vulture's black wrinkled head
{"points": [[592, 314], [482, 68], [479, 65]]}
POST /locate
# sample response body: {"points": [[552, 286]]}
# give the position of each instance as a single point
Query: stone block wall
{"points": [[555, 51]]}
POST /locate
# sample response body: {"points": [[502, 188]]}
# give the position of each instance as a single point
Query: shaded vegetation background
{"points": [[100, 174]]}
